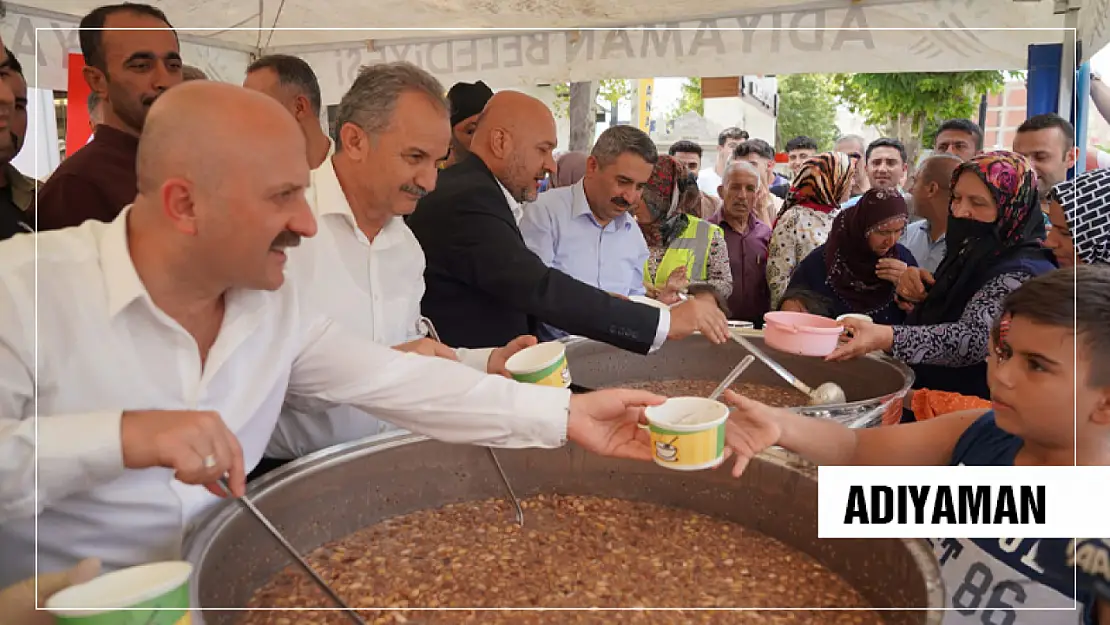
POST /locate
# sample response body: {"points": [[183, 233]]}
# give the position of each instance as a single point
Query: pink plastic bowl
{"points": [[800, 333]]}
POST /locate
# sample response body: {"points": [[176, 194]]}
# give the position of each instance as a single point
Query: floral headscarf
{"points": [[669, 196], [821, 182], [849, 257], [976, 250], [1086, 204]]}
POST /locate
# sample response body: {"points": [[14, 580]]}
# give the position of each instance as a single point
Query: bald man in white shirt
{"points": [[162, 345]]}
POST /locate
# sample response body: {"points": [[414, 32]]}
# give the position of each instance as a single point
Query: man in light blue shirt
{"points": [[932, 193], [587, 230], [886, 165]]}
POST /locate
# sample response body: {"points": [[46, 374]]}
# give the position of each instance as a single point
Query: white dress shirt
{"points": [[371, 288], [96, 346]]}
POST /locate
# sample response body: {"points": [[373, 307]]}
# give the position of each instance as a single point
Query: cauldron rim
{"points": [[198, 543]]}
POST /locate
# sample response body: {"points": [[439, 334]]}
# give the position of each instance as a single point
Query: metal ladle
{"points": [[827, 393], [425, 327], [292, 551]]}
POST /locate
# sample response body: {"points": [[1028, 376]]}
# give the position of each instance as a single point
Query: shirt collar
{"points": [[513, 204], [120, 278], [124, 286], [331, 203], [116, 138], [923, 226]]}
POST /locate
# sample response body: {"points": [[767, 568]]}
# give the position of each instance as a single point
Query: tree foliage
{"points": [[690, 100], [915, 98], [806, 107], [613, 91]]}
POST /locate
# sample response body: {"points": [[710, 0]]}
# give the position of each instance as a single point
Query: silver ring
{"points": [[210, 462]]}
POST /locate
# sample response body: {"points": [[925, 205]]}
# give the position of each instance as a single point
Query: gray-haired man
{"points": [[364, 266]]}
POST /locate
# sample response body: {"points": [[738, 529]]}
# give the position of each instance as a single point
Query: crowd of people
{"points": [[222, 288]]}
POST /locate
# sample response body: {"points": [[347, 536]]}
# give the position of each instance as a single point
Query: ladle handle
{"points": [[292, 551], [735, 373], [776, 367]]}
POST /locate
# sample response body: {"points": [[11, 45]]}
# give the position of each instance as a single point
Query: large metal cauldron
{"points": [[874, 385], [331, 494]]}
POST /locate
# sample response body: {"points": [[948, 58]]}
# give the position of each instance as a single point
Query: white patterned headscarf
{"points": [[1086, 204]]}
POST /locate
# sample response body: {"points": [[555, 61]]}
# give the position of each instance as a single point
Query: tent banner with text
{"points": [[962, 502], [871, 38]]}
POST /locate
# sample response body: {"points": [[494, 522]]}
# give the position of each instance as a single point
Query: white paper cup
{"points": [[696, 443], [544, 364], [161, 589]]}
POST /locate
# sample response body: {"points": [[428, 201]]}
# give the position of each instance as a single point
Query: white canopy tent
{"points": [[560, 40]]}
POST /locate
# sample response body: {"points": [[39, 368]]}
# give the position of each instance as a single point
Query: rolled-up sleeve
{"points": [[439, 398]]}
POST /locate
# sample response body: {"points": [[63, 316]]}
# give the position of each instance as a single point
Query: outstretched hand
{"points": [[608, 422], [751, 428]]}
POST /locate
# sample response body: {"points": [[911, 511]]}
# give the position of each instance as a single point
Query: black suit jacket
{"points": [[484, 287]]}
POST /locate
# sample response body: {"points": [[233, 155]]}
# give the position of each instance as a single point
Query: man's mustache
{"points": [[286, 239], [416, 190], [620, 201]]}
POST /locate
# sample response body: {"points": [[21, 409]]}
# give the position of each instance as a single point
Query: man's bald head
{"points": [[932, 187], [515, 138], [202, 131], [222, 176], [938, 168]]}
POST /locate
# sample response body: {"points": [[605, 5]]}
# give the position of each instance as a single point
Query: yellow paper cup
{"points": [[544, 364], [160, 591], [696, 443]]}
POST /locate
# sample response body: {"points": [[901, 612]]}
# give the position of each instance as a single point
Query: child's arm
{"points": [[753, 427]]}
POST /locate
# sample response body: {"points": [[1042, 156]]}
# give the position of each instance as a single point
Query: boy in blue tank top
{"points": [[1050, 350]]}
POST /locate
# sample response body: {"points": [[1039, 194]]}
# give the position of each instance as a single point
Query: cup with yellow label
{"points": [[149, 594], [544, 364], [688, 433]]}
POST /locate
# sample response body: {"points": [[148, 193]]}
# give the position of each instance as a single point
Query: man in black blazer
{"points": [[484, 287]]}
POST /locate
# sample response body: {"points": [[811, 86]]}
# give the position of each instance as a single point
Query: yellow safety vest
{"points": [[690, 250]]}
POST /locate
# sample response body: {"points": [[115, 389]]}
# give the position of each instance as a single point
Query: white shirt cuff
{"points": [[475, 358], [662, 331], [549, 410]]}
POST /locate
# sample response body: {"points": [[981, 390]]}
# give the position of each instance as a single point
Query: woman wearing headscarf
{"points": [[1079, 211], [569, 169], [994, 238], [819, 188], [686, 253], [846, 268]]}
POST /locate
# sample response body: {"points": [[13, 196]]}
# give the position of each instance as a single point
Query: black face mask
{"points": [[960, 230]]}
